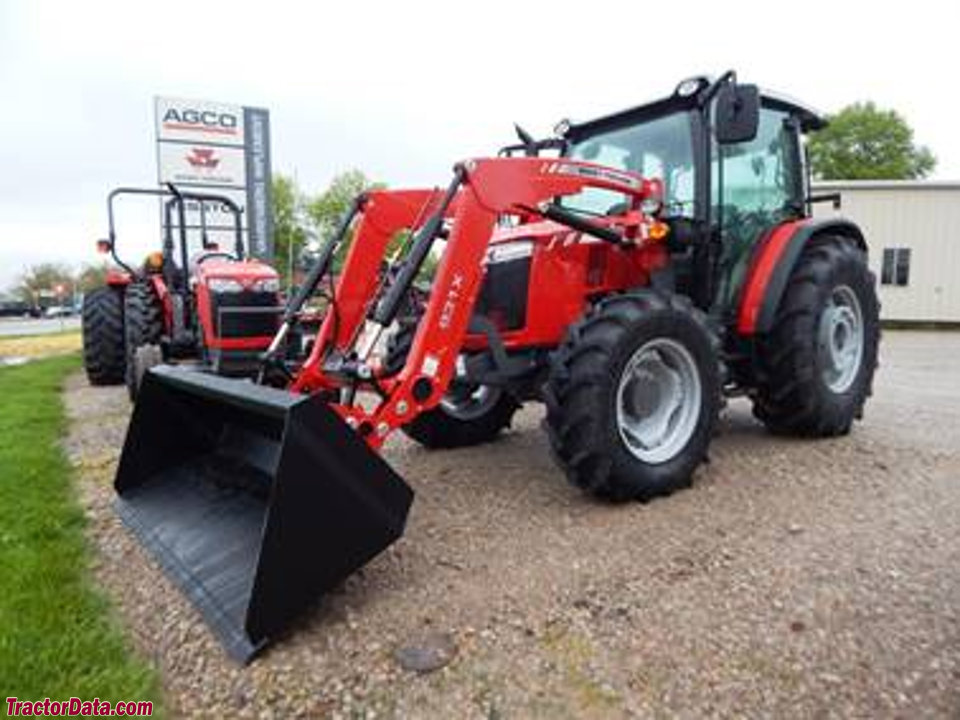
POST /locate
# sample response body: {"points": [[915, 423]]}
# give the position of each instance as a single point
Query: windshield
{"points": [[658, 148]]}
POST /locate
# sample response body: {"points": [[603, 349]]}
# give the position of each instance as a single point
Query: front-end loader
{"points": [[629, 272]]}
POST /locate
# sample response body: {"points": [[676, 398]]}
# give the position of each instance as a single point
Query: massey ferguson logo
{"points": [[203, 158], [200, 120]]}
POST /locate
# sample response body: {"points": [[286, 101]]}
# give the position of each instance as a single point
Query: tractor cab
{"points": [[731, 163]]}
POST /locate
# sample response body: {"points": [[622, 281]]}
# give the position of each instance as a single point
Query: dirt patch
{"points": [[36, 346], [796, 578]]}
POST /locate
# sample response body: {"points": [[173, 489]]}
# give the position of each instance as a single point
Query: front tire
{"points": [[103, 336], [467, 415], [144, 330], [633, 396], [817, 364]]}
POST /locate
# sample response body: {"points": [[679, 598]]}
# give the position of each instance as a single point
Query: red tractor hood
{"points": [[244, 271], [545, 229]]}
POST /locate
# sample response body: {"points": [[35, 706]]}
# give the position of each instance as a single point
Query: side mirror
{"points": [[737, 113], [104, 246]]}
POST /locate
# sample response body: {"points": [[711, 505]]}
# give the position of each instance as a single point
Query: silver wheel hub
{"points": [[659, 400], [470, 403], [840, 337]]}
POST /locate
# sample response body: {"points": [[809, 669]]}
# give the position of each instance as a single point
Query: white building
{"points": [[913, 231]]}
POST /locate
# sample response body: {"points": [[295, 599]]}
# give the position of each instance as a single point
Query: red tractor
{"points": [[217, 307], [630, 272]]}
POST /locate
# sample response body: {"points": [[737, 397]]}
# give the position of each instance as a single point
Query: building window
{"points": [[896, 267]]}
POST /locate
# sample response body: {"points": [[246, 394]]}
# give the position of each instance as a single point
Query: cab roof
{"points": [[809, 118]]}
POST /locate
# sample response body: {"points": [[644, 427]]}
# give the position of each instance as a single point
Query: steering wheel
{"points": [[207, 256]]}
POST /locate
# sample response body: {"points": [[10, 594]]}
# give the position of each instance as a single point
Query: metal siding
{"points": [[924, 218]]}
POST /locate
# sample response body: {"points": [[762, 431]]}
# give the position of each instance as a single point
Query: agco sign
{"points": [[188, 118], [220, 149], [199, 121]]}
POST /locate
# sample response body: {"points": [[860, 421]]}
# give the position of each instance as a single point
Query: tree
{"points": [[91, 277], [297, 217], [863, 142], [289, 233], [46, 280], [329, 207]]}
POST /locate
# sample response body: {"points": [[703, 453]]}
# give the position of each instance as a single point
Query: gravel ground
{"points": [[796, 578]]}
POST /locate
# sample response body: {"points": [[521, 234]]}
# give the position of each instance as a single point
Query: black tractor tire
{"points": [[586, 394], [144, 315], [792, 394], [446, 427], [452, 423], [103, 336]]}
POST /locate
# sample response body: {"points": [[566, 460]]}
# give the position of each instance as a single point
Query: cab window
{"points": [[758, 176], [658, 148]]}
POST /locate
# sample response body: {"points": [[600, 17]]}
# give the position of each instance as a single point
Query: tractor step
{"points": [[253, 500]]}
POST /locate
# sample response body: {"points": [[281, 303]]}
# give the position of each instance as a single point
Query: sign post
{"points": [[224, 149]]}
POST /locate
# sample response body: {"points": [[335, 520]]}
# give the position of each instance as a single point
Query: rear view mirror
{"points": [[737, 113]]}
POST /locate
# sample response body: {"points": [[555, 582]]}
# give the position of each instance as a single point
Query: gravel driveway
{"points": [[795, 578]]}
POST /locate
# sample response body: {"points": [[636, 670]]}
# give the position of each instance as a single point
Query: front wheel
{"points": [[144, 329], [467, 415], [633, 396], [817, 364]]}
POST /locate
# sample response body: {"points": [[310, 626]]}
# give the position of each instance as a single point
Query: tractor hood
{"points": [[243, 271], [543, 230]]}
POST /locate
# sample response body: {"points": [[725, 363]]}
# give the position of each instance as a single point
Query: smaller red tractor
{"points": [[214, 307]]}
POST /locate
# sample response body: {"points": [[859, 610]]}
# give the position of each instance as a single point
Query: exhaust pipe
{"points": [[254, 500]]}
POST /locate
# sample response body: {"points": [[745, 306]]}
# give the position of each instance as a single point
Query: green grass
{"points": [[57, 636]]}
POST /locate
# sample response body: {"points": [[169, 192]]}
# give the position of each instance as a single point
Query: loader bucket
{"points": [[254, 500]]}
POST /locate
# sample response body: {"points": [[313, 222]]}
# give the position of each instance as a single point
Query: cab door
{"points": [[755, 185]]}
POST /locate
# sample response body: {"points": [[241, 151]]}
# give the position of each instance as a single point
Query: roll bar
{"points": [[177, 198]]}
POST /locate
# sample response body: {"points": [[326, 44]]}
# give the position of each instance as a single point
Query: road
{"points": [[795, 578], [41, 326]]}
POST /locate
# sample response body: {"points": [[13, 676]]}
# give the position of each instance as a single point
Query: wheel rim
{"points": [[658, 400], [840, 336], [470, 402]]}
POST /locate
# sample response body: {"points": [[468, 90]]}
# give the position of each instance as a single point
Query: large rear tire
{"points": [[144, 315], [816, 365], [633, 396], [103, 336]]}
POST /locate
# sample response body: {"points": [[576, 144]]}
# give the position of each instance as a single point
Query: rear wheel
{"points": [[103, 336], [633, 396], [817, 364], [144, 316]]}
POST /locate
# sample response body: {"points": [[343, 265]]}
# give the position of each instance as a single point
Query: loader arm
{"points": [[484, 190], [265, 498]]}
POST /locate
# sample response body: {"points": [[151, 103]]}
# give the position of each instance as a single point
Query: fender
{"points": [[773, 263], [118, 278]]}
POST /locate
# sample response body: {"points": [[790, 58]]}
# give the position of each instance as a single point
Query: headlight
{"points": [[224, 285], [267, 285]]}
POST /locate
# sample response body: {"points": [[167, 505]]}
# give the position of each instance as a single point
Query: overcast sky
{"points": [[403, 89]]}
